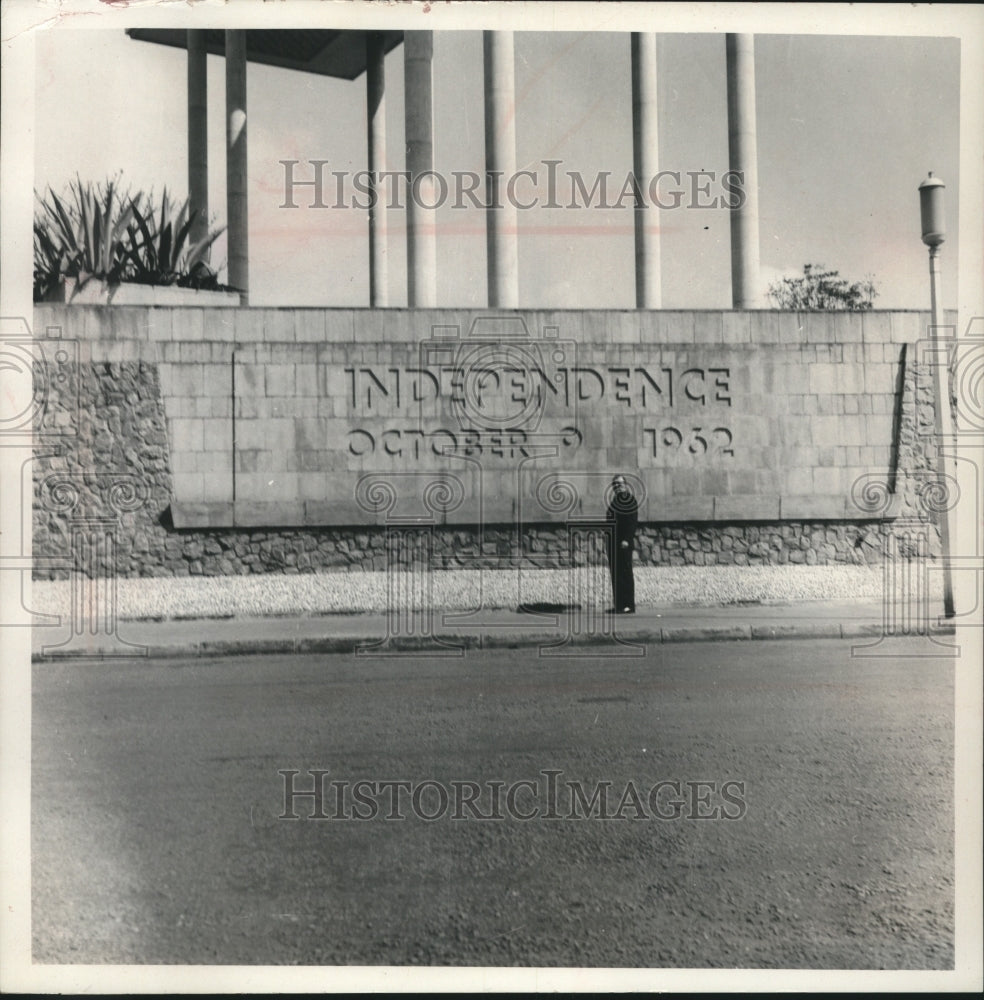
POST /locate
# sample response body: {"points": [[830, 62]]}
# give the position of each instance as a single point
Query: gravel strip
{"points": [[353, 592]]}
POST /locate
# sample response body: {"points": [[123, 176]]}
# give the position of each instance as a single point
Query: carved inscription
{"points": [[414, 443], [696, 441], [493, 409], [383, 391]]}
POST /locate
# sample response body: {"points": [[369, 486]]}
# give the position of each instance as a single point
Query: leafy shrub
{"points": [[817, 290], [80, 239], [165, 255], [98, 233]]}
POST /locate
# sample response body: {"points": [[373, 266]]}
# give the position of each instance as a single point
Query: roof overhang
{"points": [[327, 53]]}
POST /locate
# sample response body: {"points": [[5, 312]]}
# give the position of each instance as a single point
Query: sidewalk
{"points": [[456, 631]]}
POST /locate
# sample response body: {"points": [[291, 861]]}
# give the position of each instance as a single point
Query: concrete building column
{"points": [[376, 131], [746, 291], [645, 166], [237, 202], [197, 134], [500, 165], [418, 61]]}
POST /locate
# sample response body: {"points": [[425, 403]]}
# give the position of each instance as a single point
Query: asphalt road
{"points": [[157, 794]]}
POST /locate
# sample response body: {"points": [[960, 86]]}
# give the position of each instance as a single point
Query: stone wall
{"points": [[112, 481]]}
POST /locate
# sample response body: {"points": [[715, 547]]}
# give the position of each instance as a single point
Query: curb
{"points": [[457, 644]]}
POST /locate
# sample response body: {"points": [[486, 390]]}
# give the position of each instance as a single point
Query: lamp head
{"points": [[931, 210]]}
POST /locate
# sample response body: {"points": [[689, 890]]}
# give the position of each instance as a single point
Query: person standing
{"points": [[623, 511]]}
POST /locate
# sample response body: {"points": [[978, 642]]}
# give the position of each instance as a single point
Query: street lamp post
{"points": [[933, 235]]}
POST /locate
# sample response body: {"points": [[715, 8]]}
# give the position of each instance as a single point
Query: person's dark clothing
{"points": [[624, 512]]}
